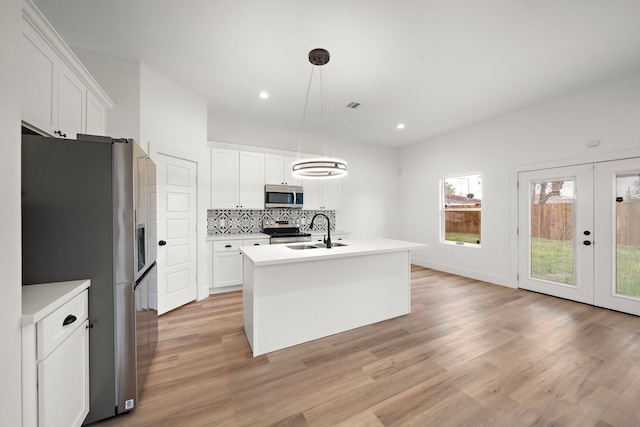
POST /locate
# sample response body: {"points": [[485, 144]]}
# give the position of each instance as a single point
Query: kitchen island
{"points": [[293, 295]]}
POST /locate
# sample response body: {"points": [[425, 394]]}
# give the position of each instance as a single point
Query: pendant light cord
{"points": [[304, 113], [324, 110]]}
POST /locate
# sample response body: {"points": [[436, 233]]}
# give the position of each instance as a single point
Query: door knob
{"points": [[162, 243], [587, 242]]}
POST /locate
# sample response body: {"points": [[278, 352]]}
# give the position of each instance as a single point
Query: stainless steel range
{"points": [[284, 231]]}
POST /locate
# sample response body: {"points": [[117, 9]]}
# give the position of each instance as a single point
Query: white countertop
{"points": [[241, 236], [42, 299], [282, 254]]}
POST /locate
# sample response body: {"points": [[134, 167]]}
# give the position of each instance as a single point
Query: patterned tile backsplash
{"points": [[250, 221]]}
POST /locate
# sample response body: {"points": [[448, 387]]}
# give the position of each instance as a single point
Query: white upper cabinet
{"points": [[72, 102], [39, 77], [322, 194], [251, 183], [237, 179], [278, 170], [59, 96], [96, 116]]}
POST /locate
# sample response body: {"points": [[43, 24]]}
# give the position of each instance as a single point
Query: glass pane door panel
{"points": [[627, 208], [552, 230]]}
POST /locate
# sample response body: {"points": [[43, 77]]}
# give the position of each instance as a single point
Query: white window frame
{"points": [[443, 211]]}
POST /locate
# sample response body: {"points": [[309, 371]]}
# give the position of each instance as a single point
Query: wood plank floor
{"points": [[469, 354]]}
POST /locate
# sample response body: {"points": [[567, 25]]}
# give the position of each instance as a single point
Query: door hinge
{"points": [[517, 276], [518, 185], [517, 231]]}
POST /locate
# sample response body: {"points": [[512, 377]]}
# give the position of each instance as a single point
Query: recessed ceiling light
{"points": [[400, 126], [263, 95]]}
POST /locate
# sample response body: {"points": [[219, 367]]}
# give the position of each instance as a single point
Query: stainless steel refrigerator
{"points": [[80, 220]]}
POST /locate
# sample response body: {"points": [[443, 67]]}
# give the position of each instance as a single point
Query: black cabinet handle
{"points": [[256, 244], [64, 135], [162, 243], [587, 242], [227, 246], [69, 320]]}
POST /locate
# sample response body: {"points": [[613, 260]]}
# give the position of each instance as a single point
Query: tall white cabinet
{"points": [[59, 96]]}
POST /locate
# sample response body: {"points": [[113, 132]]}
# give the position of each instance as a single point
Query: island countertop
{"points": [[282, 254]]}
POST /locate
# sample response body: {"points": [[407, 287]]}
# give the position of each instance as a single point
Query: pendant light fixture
{"points": [[321, 167]]}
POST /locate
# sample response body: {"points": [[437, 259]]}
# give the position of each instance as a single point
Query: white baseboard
{"points": [[213, 291], [473, 274]]}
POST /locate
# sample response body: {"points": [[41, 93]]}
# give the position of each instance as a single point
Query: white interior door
{"points": [[177, 216], [555, 232], [617, 249]]}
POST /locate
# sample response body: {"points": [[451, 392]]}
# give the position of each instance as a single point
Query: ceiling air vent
{"points": [[353, 105]]}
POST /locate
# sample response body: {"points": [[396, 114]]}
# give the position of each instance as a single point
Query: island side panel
{"points": [[302, 301], [247, 299]]}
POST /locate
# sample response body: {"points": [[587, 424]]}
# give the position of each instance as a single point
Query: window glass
{"points": [[462, 209]]}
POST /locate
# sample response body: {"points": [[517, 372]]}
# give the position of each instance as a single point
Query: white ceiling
{"points": [[435, 65]]}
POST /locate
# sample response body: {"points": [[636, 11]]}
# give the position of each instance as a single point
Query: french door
{"points": [[579, 233]]}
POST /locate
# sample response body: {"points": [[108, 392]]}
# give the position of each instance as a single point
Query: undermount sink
{"points": [[298, 247], [314, 246], [333, 244]]}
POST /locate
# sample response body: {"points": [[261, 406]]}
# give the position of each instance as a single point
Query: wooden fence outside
{"points": [[628, 223], [554, 221], [460, 221]]}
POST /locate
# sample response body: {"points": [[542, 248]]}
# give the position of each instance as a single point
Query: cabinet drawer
{"points": [[52, 331], [255, 242], [227, 245]]}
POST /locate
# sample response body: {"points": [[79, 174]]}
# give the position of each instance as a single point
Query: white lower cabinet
{"points": [[63, 382], [55, 354], [228, 261]]}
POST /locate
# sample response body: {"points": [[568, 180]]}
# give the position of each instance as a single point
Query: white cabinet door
{"points": [[72, 103], [39, 79], [96, 116], [227, 268], [278, 170], [273, 169], [288, 169], [312, 194], [224, 178], [63, 382], [237, 179], [322, 194], [331, 194], [251, 180]]}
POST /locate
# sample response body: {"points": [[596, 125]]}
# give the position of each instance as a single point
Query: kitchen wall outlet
{"points": [[128, 404], [222, 222]]}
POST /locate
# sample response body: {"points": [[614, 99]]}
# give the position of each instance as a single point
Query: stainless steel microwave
{"points": [[283, 196]]}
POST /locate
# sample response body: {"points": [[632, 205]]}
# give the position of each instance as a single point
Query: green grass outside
{"points": [[553, 260], [462, 237]]}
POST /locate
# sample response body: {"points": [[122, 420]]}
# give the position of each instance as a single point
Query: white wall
{"points": [[171, 116], [120, 78], [557, 130], [10, 253]]}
